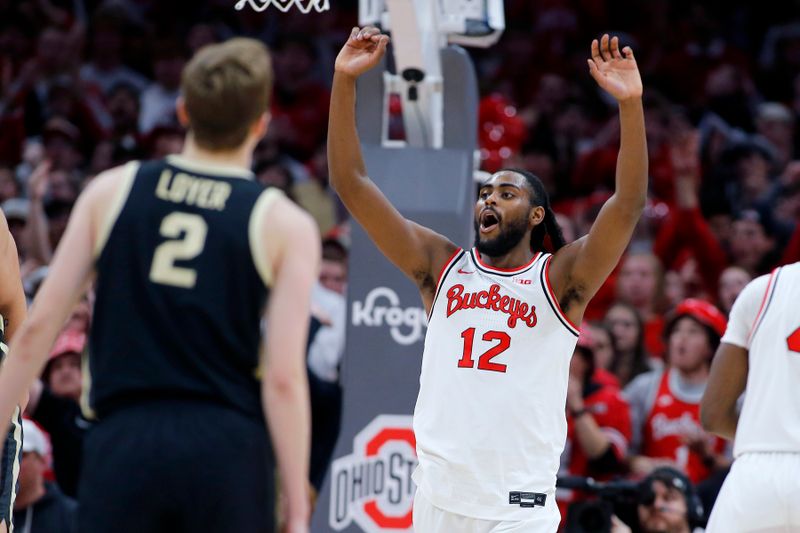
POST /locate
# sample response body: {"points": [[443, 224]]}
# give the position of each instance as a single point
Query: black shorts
{"points": [[10, 459], [177, 467]]}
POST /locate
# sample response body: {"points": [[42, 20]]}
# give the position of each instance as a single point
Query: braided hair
{"points": [[548, 227]]}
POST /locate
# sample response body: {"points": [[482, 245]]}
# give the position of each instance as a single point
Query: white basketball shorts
{"points": [[760, 495], [431, 519]]}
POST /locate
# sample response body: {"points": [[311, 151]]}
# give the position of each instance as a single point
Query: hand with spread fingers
{"points": [[615, 72], [362, 51]]}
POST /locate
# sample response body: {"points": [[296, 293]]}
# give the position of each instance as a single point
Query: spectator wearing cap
{"points": [[668, 503], [665, 405], [40, 506], [598, 422], [775, 122], [54, 403]]}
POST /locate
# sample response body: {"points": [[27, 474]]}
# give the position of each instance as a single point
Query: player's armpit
{"points": [[417, 251], [725, 385]]}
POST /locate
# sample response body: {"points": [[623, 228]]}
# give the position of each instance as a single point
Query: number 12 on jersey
{"points": [[484, 361]]}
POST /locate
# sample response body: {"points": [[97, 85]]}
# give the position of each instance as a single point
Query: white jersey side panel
{"points": [[490, 417], [770, 417]]}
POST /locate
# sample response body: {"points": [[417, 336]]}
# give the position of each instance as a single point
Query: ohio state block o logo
{"points": [[372, 487]]}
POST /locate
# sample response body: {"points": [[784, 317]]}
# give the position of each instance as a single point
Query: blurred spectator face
{"points": [[79, 318], [62, 152], [9, 188], [333, 276], [292, 63], [553, 89], [31, 478], [637, 283], [102, 157], [667, 513], [65, 378], [62, 188], [51, 48], [57, 216], [107, 45], [168, 71], [167, 143], [123, 105], [688, 347], [624, 327], [275, 176], [674, 289], [603, 348], [199, 36], [775, 122], [749, 244], [753, 172], [731, 283]]}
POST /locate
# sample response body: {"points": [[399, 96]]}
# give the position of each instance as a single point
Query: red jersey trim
{"points": [[770, 288], [517, 270], [554, 301]]}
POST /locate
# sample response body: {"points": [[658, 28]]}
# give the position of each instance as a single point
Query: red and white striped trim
{"points": [[557, 307], [762, 308]]}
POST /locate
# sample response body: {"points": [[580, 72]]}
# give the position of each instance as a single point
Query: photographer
{"points": [[668, 504]]}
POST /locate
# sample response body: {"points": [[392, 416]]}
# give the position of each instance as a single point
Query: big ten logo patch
{"points": [[372, 487], [381, 308]]}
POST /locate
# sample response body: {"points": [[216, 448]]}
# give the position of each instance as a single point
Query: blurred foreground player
{"points": [[189, 254], [12, 313], [760, 352], [489, 420]]}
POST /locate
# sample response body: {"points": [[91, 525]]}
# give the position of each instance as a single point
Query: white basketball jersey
{"points": [[490, 417], [766, 320]]}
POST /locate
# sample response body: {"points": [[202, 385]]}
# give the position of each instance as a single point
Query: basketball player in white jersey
{"points": [[760, 351], [490, 417]]}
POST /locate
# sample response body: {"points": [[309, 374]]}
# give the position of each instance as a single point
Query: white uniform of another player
{"points": [[761, 492], [490, 417]]}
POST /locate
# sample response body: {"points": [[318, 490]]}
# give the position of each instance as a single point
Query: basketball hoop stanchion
{"points": [[305, 6]]}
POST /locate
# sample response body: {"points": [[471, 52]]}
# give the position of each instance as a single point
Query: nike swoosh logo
{"points": [[465, 272]]}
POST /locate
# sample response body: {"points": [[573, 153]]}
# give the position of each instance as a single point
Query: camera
{"points": [[608, 498]]}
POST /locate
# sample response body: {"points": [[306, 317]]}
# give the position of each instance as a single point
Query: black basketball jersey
{"points": [[179, 295]]}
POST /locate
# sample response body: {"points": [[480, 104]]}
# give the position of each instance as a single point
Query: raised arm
{"points": [[418, 251], [580, 269]]}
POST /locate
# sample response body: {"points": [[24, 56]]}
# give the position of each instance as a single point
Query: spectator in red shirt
{"points": [[598, 421], [665, 404]]}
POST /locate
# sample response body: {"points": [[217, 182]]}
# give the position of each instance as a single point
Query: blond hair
{"points": [[226, 87]]}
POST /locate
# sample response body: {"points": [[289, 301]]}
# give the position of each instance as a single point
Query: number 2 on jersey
{"points": [[485, 360], [180, 247]]}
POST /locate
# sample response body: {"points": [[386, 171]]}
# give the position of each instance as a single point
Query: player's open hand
{"points": [[615, 72], [362, 51]]}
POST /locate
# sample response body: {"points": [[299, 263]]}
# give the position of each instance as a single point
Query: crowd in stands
{"points": [[86, 85]]}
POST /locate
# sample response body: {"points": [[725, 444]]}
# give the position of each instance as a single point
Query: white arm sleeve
{"points": [[745, 311]]}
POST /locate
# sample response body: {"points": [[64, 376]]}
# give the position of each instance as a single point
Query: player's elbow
{"points": [[284, 385]]}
